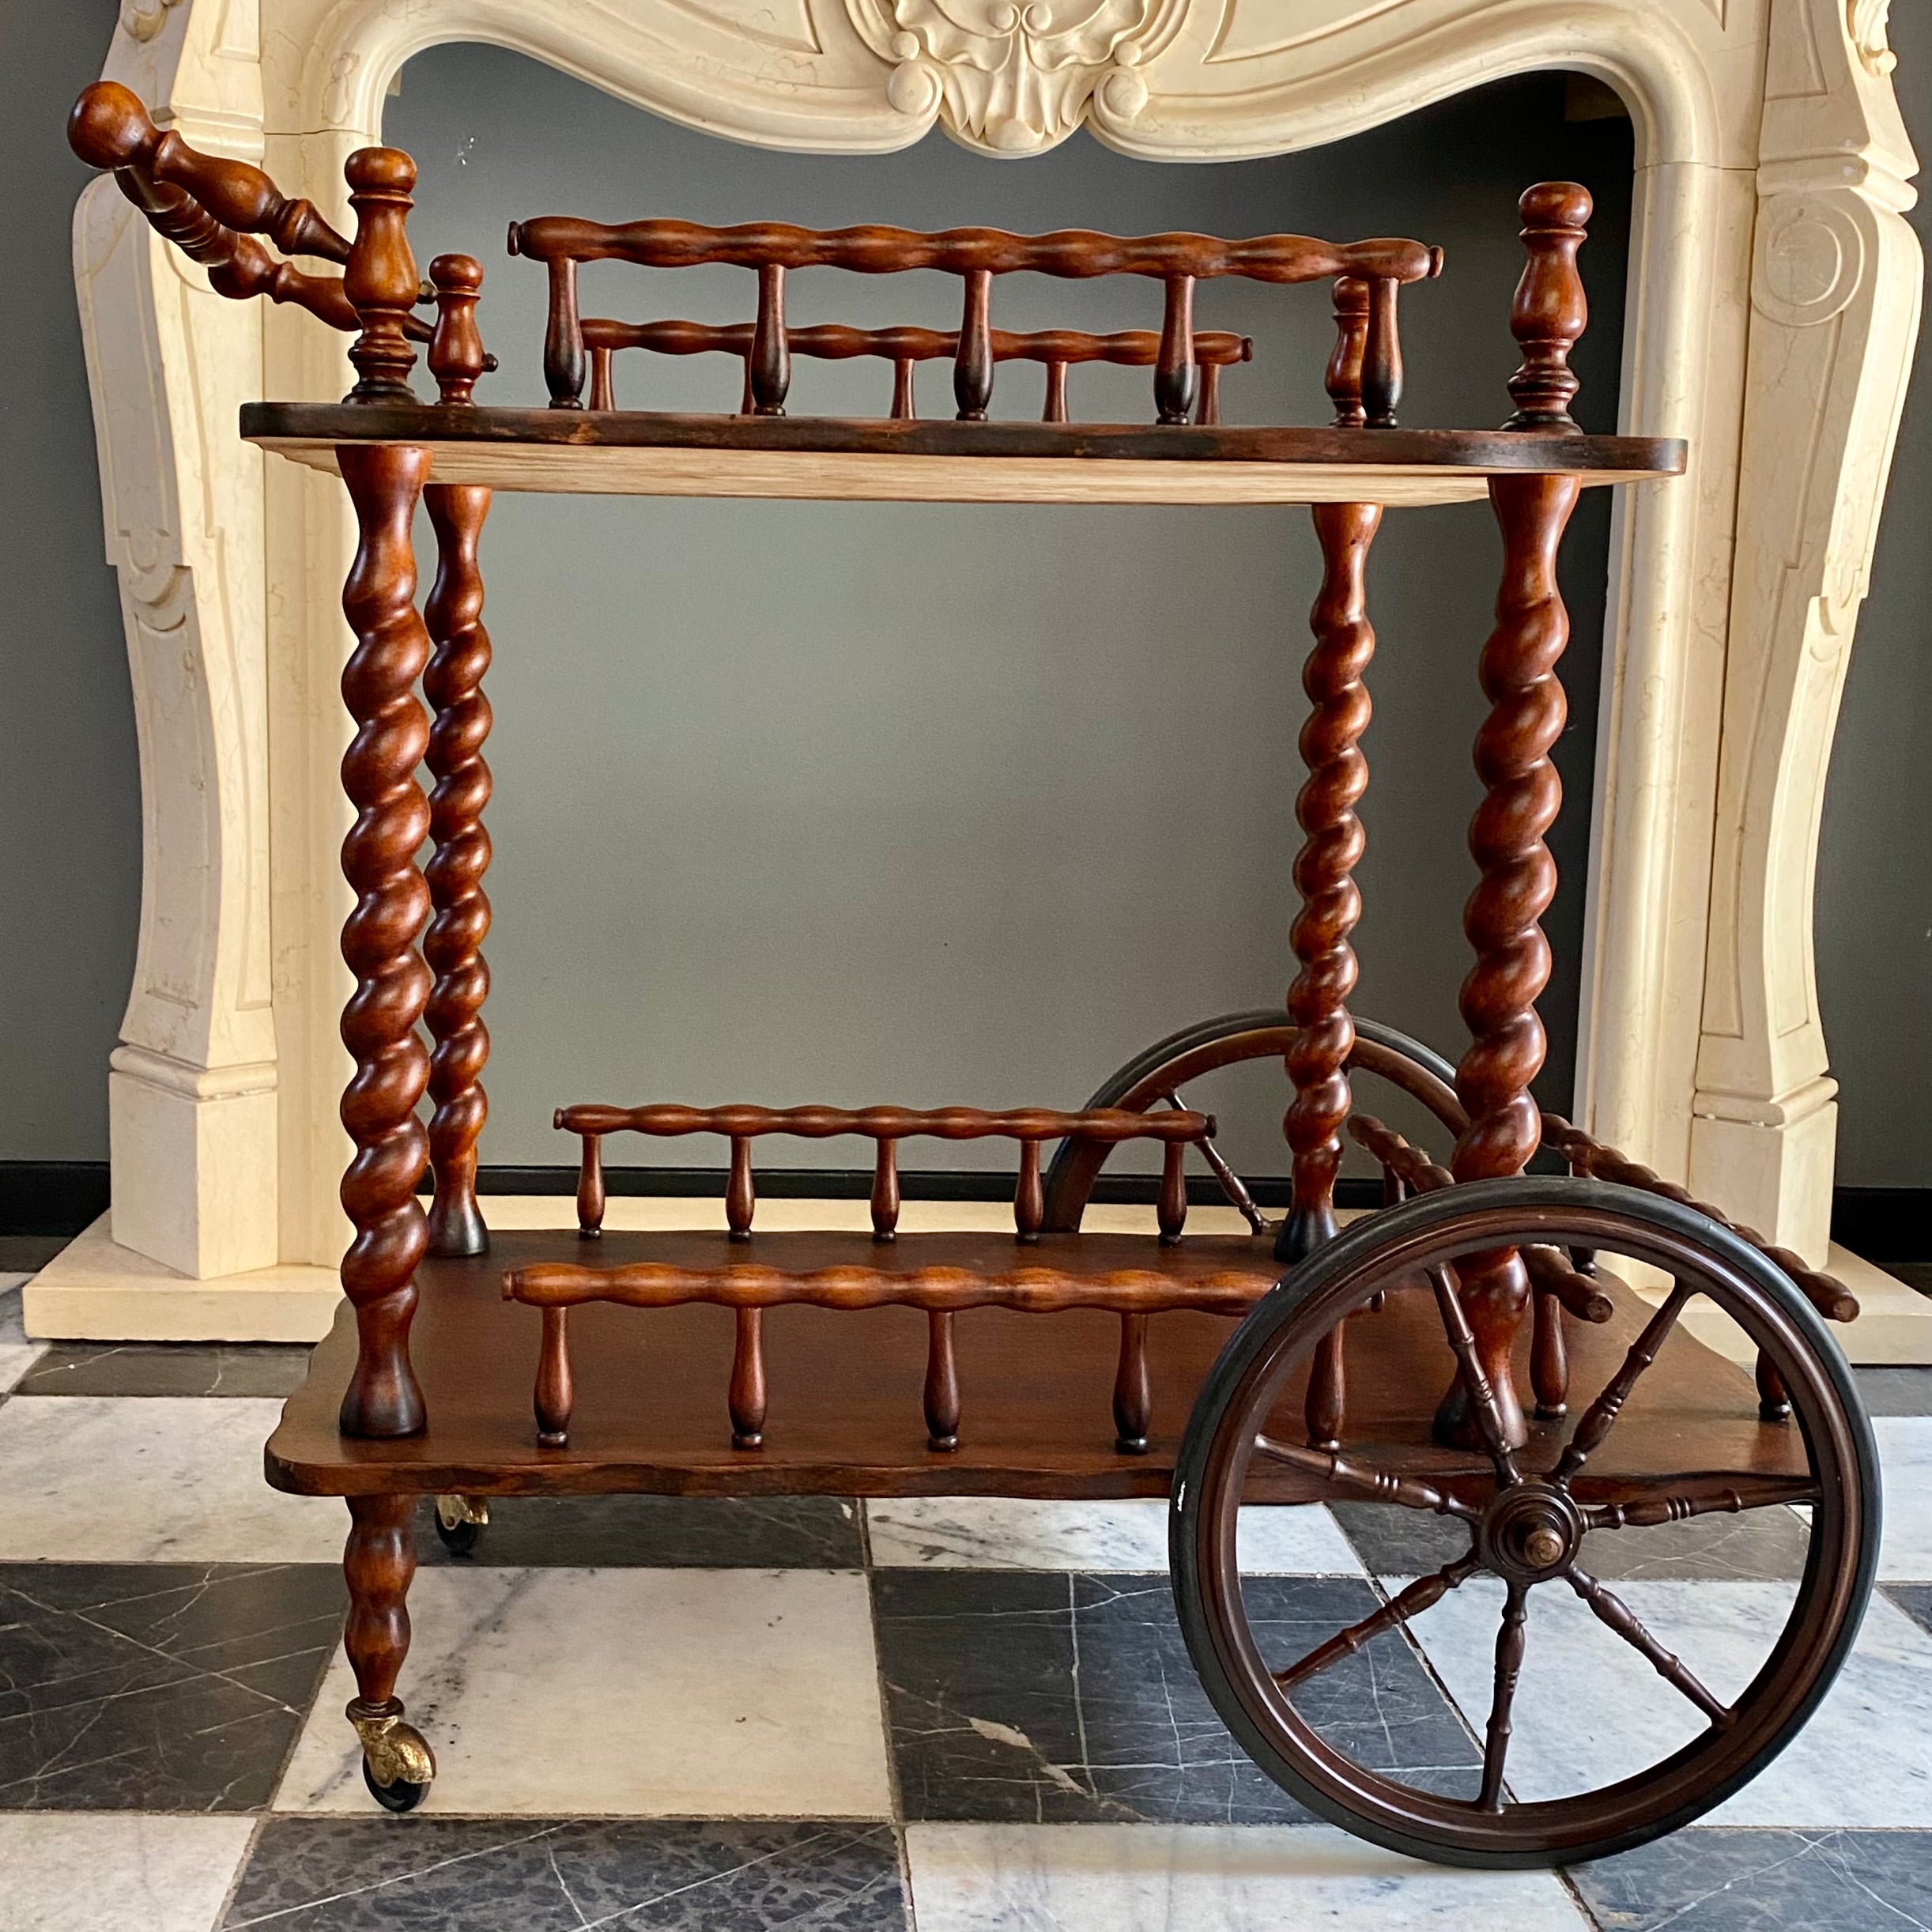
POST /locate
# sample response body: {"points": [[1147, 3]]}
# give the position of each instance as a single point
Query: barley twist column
{"points": [[378, 939], [1345, 641], [1522, 795], [452, 947]]}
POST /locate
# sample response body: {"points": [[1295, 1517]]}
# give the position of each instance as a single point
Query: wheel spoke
{"points": [[1733, 1496], [1604, 1411], [1231, 1182], [1374, 1485], [1612, 1611], [1482, 1396], [1412, 1602], [1510, 1639]]}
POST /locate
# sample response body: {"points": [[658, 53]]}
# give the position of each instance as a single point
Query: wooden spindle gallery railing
{"points": [[750, 1288], [1183, 381], [1056, 349], [212, 208]]}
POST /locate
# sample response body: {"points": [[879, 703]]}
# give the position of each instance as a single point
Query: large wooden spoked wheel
{"points": [[1156, 1079], [1528, 1515]]}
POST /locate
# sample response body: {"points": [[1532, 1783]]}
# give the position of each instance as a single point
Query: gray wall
{"points": [[847, 827], [827, 801], [1874, 910]]}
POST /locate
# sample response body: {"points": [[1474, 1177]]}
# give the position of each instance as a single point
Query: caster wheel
{"points": [[461, 1521], [399, 1794]]}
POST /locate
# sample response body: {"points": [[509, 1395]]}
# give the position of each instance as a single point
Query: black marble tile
{"points": [[1713, 1880], [1896, 1391], [1914, 1599], [168, 1368], [1021, 1697], [516, 1875], [157, 1687], [1760, 1543], [658, 1532]]}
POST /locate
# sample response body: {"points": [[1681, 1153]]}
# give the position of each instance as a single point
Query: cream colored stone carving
{"points": [[1773, 303], [1013, 78]]}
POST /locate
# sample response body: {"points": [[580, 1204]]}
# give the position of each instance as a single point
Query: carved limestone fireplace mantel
{"points": [[1775, 300]]}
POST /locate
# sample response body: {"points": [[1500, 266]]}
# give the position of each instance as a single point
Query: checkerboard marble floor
{"points": [[961, 1714]]}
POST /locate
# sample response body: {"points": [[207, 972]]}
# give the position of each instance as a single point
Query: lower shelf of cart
{"points": [[844, 1415]]}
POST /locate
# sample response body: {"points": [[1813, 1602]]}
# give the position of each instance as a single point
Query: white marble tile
{"points": [[1589, 1710], [151, 1479], [648, 1693], [1905, 1453], [1007, 1533], [112, 1871], [17, 1354], [1206, 1878]]}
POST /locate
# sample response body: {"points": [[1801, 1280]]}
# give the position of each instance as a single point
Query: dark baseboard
{"points": [[1884, 1224], [51, 1197]]}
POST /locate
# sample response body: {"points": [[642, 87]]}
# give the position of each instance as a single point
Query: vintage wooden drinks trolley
{"points": [[1377, 1364]]}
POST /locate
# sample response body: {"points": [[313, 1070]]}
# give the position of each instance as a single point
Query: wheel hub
{"points": [[1530, 1533]]}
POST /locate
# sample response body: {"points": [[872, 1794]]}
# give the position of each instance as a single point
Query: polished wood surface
{"points": [[453, 944], [845, 1394], [380, 938]]}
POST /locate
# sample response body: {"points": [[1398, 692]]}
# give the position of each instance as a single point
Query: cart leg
{"points": [[452, 947], [378, 939], [1345, 641], [1522, 794], [378, 1562]]}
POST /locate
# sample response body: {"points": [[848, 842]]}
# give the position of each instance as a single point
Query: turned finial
{"points": [[108, 127], [381, 280], [456, 356], [1344, 367], [1550, 311]]}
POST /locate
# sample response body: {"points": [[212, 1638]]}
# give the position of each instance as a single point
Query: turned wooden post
{"points": [[747, 1399], [562, 334], [379, 939], [1522, 795], [972, 366], [456, 357], [942, 1382], [1029, 1199], [1549, 1359], [591, 1200], [1055, 408], [768, 369], [741, 1196], [1177, 375], [555, 1394], [1550, 312], [1171, 1208], [1133, 1392], [1207, 409], [380, 280], [1382, 356], [378, 1562], [1344, 379], [452, 947], [603, 396], [905, 401], [886, 1191]]}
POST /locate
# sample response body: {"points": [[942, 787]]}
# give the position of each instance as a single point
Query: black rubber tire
{"points": [[1299, 1298], [400, 1795], [459, 1539]]}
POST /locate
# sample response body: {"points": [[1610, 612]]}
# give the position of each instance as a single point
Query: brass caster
{"points": [[461, 1521], [397, 1764]]}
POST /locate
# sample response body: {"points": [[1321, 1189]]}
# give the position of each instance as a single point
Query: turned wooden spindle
{"points": [[1774, 1399], [1344, 376], [1549, 1360], [1207, 409], [452, 947], [1550, 312], [456, 356], [1521, 793], [886, 1191], [603, 396], [384, 481], [1177, 377], [1171, 1212], [1055, 408], [1382, 356], [1029, 1199], [972, 366], [591, 1196], [379, 1564], [942, 1383], [768, 370], [1134, 1403], [905, 401], [741, 1196], [747, 1397], [381, 279], [744, 398], [563, 330], [556, 1393]]}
